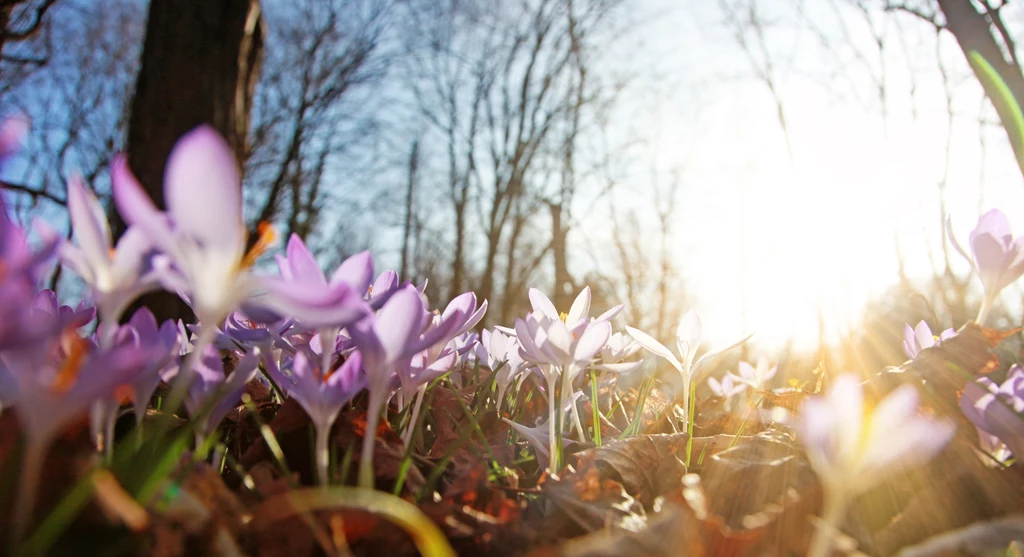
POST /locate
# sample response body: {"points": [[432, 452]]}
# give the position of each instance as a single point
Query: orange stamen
{"points": [[67, 376], [267, 237]]}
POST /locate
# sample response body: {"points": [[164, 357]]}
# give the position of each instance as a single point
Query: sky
{"points": [[816, 221]]}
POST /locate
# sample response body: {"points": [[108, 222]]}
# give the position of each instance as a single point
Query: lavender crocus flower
{"points": [[299, 267], [996, 256], [996, 409], [55, 383], [921, 338], [618, 348], [561, 349], [204, 236], [499, 352], [211, 394], [387, 341], [163, 344], [851, 450], [321, 394], [117, 275]]}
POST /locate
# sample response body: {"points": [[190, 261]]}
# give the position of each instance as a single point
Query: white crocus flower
{"points": [[756, 377], [688, 337]]}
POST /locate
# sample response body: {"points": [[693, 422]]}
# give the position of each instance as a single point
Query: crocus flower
{"points": [[163, 344], [387, 341], [300, 268], [852, 450], [688, 337], [996, 409], [920, 338], [756, 377], [205, 237], [321, 394], [211, 394], [54, 385], [499, 353], [115, 275], [618, 348], [727, 388], [561, 349], [996, 256]]}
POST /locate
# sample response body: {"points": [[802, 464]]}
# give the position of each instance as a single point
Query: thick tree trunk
{"points": [[200, 63]]}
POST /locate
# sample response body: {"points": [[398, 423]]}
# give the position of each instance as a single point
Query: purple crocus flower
{"points": [[997, 256], [921, 338], [387, 341], [211, 395], [56, 382], [321, 395], [561, 349], [204, 235], [996, 409], [300, 268], [163, 342], [115, 275]]}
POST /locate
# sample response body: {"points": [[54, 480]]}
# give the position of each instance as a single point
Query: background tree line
{"points": [[484, 145]]}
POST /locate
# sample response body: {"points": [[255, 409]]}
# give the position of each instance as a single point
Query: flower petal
{"points": [[542, 305], [657, 348], [89, 222], [203, 191]]}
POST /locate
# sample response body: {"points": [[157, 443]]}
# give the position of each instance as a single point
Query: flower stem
{"points": [[986, 307], [824, 534], [367, 478], [692, 406], [595, 407], [323, 454], [410, 426], [552, 426], [31, 473]]}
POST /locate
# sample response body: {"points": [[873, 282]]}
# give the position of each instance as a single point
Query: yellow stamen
{"points": [[77, 349], [563, 316], [267, 237]]}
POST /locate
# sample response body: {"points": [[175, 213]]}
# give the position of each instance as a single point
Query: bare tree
{"points": [[310, 112], [200, 63]]}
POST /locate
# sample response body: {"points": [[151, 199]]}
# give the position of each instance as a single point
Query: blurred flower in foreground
{"points": [[995, 409], [852, 449], [998, 257], [920, 338]]}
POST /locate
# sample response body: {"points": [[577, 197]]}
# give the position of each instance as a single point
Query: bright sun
{"points": [[776, 240]]}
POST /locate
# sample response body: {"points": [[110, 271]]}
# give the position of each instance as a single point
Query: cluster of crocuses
{"points": [[324, 340]]}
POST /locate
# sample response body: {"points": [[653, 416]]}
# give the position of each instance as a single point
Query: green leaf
{"points": [[994, 85]]}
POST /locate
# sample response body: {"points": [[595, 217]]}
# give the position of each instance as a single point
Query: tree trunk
{"points": [[200, 63], [973, 33]]}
